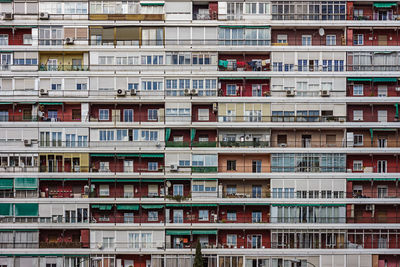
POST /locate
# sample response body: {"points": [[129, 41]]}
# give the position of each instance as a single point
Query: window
{"points": [[282, 39], [243, 36], [231, 165], [231, 240], [382, 166], [256, 8], [104, 166], [357, 165], [152, 114], [231, 190], [358, 39], [331, 40], [128, 115], [306, 40], [358, 89], [358, 140], [152, 85], [256, 90], [50, 35], [104, 114], [178, 216], [256, 191], [382, 115], [256, 166], [152, 37], [128, 191], [108, 242], [178, 190], [153, 216], [3, 39], [358, 115], [128, 217], [358, 13], [231, 216], [203, 114], [203, 215], [382, 191], [256, 216], [3, 115], [231, 89], [152, 166], [104, 190], [382, 90]]}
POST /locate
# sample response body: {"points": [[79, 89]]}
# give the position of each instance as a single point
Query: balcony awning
{"points": [[359, 79], [177, 232], [156, 155], [76, 179], [102, 180], [129, 155], [6, 103], [26, 209], [152, 206], [101, 155], [151, 4], [167, 133], [397, 110], [26, 183], [6, 183], [257, 78], [385, 4], [385, 179], [127, 207], [5, 1], [177, 205], [102, 206], [204, 232], [127, 180], [50, 103], [204, 205], [359, 179], [231, 78], [231, 204], [384, 79], [6, 209], [379, 130], [257, 204]]}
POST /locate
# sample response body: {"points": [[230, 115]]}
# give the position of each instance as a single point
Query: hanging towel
{"points": [[223, 63]]}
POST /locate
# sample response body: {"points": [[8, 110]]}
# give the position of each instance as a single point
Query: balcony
{"points": [[63, 68]]}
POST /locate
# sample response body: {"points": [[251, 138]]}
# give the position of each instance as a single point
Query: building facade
{"points": [[267, 131]]}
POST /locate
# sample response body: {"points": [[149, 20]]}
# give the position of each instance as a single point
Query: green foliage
{"points": [[198, 259]]}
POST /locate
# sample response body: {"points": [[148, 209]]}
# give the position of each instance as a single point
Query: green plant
{"points": [[198, 259]]}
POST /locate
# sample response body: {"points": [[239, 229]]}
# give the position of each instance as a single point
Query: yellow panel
{"points": [[239, 112], [222, 109], [266, 112]]}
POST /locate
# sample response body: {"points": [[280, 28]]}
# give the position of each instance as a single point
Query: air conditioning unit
{"points": [[289, 93], [215, 107], [133, 92], [44, 91], [99, 245], [43, 15], [369, 207], [194, 92], [325, 93], [187, 92], [8, 16], [247, 137], [174, 167], [69, 40], [282, 145], [398, 89], [28, 142], [121, 92]]}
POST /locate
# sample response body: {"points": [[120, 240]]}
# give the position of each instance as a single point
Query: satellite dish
{"points": [[168, 184], [321, 31]]}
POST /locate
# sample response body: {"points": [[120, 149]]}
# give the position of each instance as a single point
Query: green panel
{"points": [[177, 232], [151, 4], [6, 183], [26, 183], [5, 1], [257, 204], [177, 205], [204, 169], [152, 206], [76, 179], [127, 207], [157, 155], [127, 180], [231, 204], [192, 134], [129, 155], [26, 209], [101, 155], [6, 209], [52, 179], [359, 79], [332, 205], [102, 206], [50, 103], [167, 134], [358, 179], [102, 180], [204, 205], [385, 179], [397, 110], [152, 180], [205, 179], [6, 103], [204, 232], [384, 79], [385, 5]]}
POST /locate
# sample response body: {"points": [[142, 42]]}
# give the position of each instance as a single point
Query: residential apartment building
{"points": [[267, 131]]}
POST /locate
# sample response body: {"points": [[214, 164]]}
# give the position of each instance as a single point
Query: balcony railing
{"points": [[63, 68], [300, 119]]}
